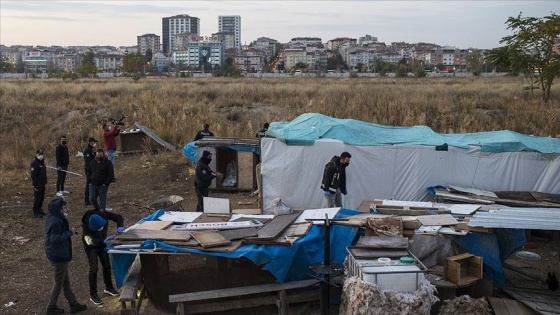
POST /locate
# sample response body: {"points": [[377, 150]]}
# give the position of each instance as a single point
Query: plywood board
{"points": [[239, 233], [382, 242], [402, 203], [299, 229], [216, 205], [472, 191], [437, 219], [245, 167], [152, 225], [246, 211], [509, 307], [542, 301], [179, 216], [208, 239], [211, 217], [463, 209], [275, 227], [232, 247], [360, 220], [161, 235]]}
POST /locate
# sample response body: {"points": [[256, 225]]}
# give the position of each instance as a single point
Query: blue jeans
{"points": [[111, 156], [98, 191]]}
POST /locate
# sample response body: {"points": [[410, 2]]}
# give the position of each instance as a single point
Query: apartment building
{"points": [[335, 44], [67, 62], [249, 61], [304, 41], [292, 56], [231, 24], [181, 40], [110, 62], [148, 41], [355, 56], [205, 53], [173, 25], [227, 39]]}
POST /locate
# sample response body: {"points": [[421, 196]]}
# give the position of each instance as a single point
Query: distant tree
{"points": [[418, 70], [6, 66], [88, 67], [402, 70], [475, 61], [133, 66], [531, 49], [300, 66], [149, 55]]}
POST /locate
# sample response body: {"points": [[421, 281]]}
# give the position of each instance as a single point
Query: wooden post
{"points": [[282, 303], [180, 308]]}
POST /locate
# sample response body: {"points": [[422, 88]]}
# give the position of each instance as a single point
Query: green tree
{"points": [[88, 67], [133, 65], [149, 55], [475, 61], [6, 66], [532, 50], [402, 71], [300, 66]]}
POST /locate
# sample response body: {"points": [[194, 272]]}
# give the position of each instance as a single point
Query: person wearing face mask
{"points": [[94, 239], [89, 155], [62, 161], [101, 175], [203, 178], [39, 180], [110, 133], [334, 179]]}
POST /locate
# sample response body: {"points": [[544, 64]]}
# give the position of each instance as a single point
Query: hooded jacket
{"points": [[204, 175], [101, 171], [58, 243], [38, 172], [94, 239], [62, 156], [89, 155], [334, 176]]}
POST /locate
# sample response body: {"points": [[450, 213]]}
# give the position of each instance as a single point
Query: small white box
{"points": [[216, 205]]}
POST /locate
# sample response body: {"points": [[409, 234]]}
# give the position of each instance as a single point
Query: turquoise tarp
{"points": [[307, 128]]}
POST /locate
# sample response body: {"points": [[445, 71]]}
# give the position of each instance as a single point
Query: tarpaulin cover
{"points": [[286, 263], [190, 150], [309, 127]]}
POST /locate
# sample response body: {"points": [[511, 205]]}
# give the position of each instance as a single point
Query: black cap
{"points": [[92, 139], [39, 151]]}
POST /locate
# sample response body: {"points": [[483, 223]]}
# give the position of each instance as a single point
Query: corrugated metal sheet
{"points": [[519, 218]]}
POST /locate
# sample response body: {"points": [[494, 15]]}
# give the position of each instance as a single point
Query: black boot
{"points": [[77, 307], [54, 310]]}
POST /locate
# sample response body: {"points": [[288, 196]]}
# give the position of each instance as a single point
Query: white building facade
{"points": [[231, 24]]}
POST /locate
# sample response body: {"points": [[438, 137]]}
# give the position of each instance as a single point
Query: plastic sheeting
{"points": [[293, 173], [309, 127], [286, 263]]}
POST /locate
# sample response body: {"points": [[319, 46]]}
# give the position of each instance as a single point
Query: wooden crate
{"points": [[463, 269]]}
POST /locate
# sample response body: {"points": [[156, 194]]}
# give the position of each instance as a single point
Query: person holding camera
{"points": [[110, 133]]}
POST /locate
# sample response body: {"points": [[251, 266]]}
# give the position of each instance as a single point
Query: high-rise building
{"points": [[148, 41], [231, 24], [173, 25]]}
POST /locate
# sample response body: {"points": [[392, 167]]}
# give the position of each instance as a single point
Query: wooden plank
{"points": [[152, 225], [161, 235], [365, 253], [211, 217], [438, 219], [239, 291], [152, 135], [509, 307], [278, 224], [382, 242], [412, 212], [553, 198], [498, 306], [245, 170], [210, 238], [233, 246], [239, 233], [132, 281], [542, 301]]}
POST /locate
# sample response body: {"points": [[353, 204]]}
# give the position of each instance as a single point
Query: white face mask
{"points": [[109, 128], [101, 229], [40, 157], [94, 144]]}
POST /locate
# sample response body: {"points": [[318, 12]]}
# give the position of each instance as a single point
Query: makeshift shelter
{"points": [[399, 162]]}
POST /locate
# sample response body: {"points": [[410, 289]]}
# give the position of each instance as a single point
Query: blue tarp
{"points": [[307, 128], [286, 263], [191, 152]]}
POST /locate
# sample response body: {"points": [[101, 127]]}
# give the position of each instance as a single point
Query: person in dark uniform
{"points": [[203, 178], [94, 239], [205, 132], [334, 179], [39, 180], [262, 132], [101, 170], [89, 155], [62, 161]]}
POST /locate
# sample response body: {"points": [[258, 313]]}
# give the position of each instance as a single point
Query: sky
{"points": [[462, 24]]}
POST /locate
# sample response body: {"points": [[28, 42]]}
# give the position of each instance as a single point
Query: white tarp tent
{"points": [[293, 173]]}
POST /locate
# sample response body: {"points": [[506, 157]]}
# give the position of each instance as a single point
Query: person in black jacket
{"points": [[89, 155], [334, 179], [262, 132], [203, 178], [58, 249], [94, 231], [39, 179], [102, 174], [205, 132], [62, 161]]}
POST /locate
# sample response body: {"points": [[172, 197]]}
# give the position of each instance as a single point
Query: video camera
{"points": [[119, 121]]}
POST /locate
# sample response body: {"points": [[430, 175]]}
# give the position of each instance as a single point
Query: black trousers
{"points": [[86, 190], [201, 192], [93, 254], [38, 198], [61, 178]]}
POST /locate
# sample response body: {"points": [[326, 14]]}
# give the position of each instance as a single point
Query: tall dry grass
{"points": [[34, 113]]}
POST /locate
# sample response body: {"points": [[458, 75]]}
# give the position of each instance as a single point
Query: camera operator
{"points": [[110, 132]]}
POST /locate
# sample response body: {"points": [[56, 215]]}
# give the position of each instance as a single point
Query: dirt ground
{"points": [[26, 275]]}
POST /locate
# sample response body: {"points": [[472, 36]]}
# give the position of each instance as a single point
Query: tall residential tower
{"points": [[231, 24], [173, 25]]}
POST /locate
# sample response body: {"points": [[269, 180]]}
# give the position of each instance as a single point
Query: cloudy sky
{"points": [[461, 24]]}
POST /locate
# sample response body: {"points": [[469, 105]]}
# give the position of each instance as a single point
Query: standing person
{"points": [[39, 179], [89, 155], [110, 133], [94, 230], [262, 132], [62, 161], [205, 132], [101, 175], [334, 179], [58, 249], [203, 178]]}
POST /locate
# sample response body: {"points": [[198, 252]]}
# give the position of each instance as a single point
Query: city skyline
{"points": [[464, 24]]}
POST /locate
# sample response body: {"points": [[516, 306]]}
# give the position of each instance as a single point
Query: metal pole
{"points": [[56, 168]]}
